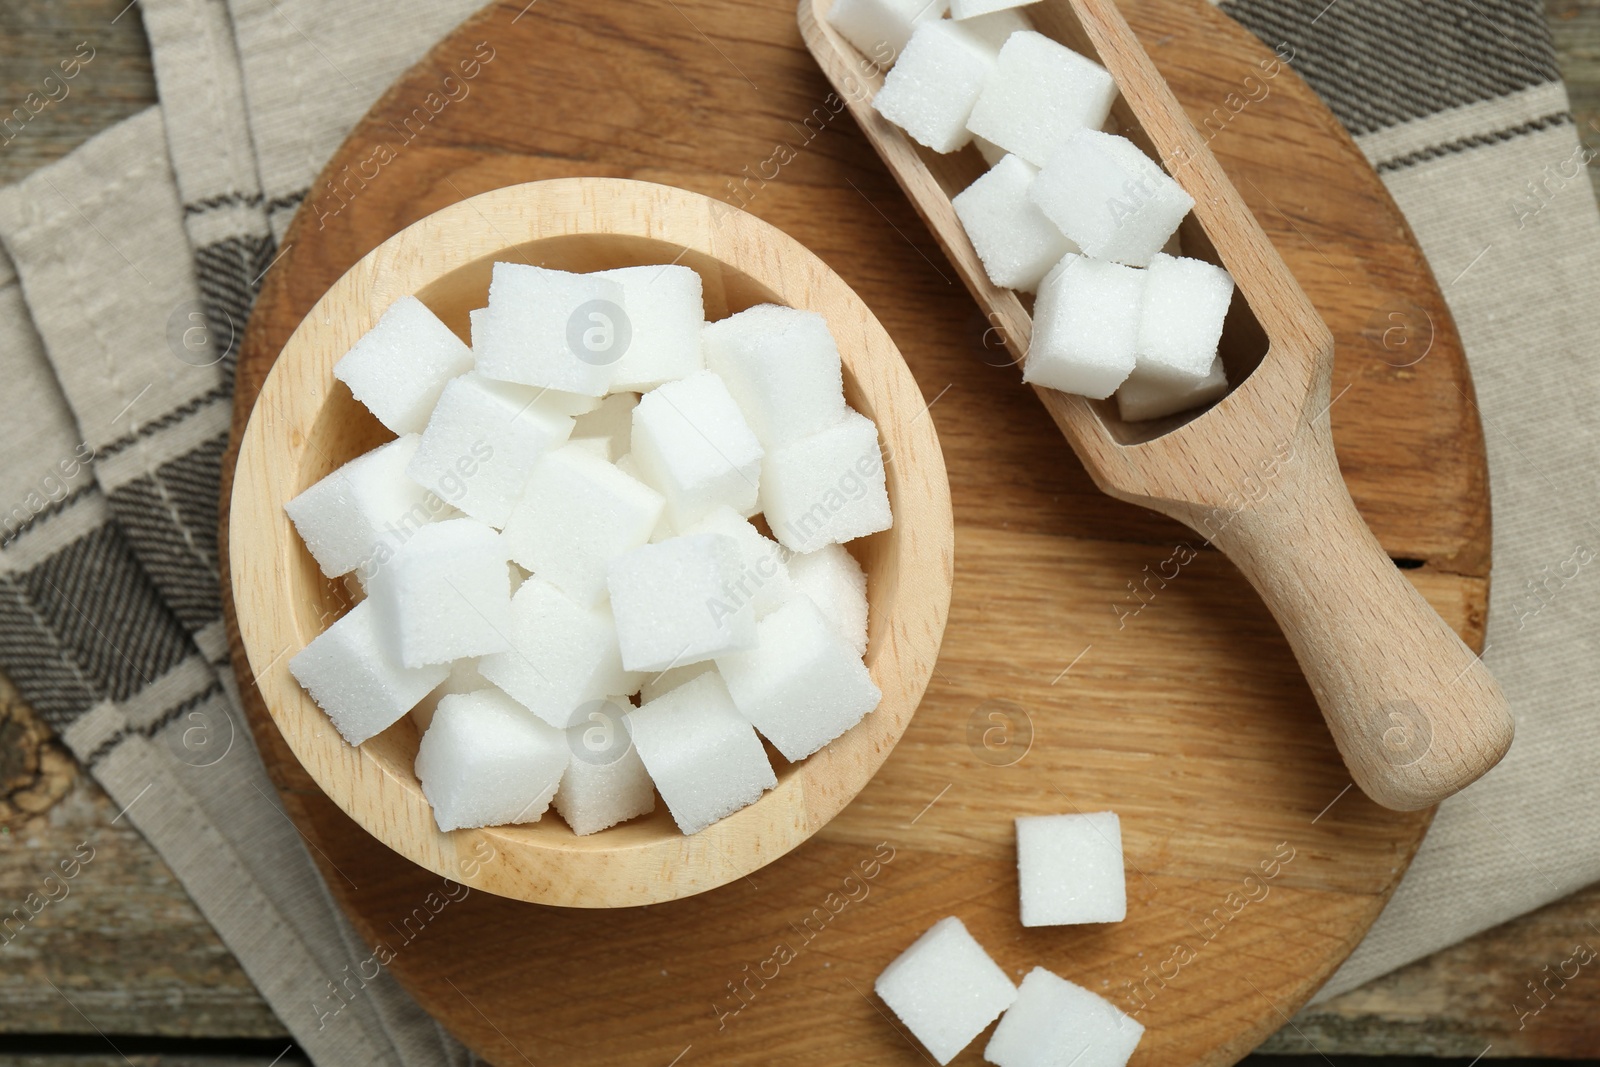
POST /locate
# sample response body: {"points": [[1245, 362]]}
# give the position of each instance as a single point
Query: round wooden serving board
{"points": [[1097, 655]]}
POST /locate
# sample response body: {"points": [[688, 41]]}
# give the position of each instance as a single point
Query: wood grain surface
{"points": [[136, 956], [1189, 717]]}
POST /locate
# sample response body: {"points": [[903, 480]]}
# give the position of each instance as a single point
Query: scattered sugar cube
{"points": [[782, 367], [945, 988], [1017, 243], [703, 756], [803, 684], [562, 654], [693, 445], [1040, 92], [368, 502], [605, 782], [463, 678], [995, 27], [555, 329], [482, 441], [672, 602], [576, 515], [930, 91], [1085, 327], [1054, 1023], [486, 762], [1111, 199], [827, 488], [1069, 869], [763, 577], [1145, 396], [837, 585], [659, 682], [350, 673], [445, 594], [880, 28], [1180, 321], [606, 430], [399, 367], [971, 9], [666, 311]]}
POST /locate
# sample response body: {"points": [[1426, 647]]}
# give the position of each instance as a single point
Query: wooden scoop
{"points": [[1414, 712]]}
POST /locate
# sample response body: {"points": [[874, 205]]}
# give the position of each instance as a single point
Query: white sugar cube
{"points": [[445, 593], [486, 762], [350, 673], [659, 682], [970, 9], [993, 27], [1054, 1023], [945, 988], [693, 445], [555, 400], [803, 684], [562, 654], [551, 328], [605, 782], [880, 28], [606, 430], [782, 367], [837, 585], [1180, 321], [578, 513], [367, 503], [673, 604], [931, 89], [1145, 396], [666, 311], [1069, 869], [463, 678], [399, 367], [1017, 243], [826, 488], [1085, 327], [763, 577], [1111, 199], [703, 756], [481, 442], [991, 152], [1040, 91]]}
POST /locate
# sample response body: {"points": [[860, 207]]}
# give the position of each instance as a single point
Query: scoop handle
{"points": [[1415, 713]]}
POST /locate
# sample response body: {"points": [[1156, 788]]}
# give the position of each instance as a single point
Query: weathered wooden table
{"points": [[150, 983]]}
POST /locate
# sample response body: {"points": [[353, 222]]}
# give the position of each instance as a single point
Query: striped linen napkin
{"points": [[128, 274]]}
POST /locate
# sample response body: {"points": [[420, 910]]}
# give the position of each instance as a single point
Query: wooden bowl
{"points": [[305, 424]]}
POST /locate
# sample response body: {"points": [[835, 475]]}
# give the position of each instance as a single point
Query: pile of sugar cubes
{"points": [[947, 990], [1079, 215], [560, 574]]}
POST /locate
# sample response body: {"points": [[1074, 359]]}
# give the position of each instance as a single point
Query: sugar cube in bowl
{"points": [[306, 424]]}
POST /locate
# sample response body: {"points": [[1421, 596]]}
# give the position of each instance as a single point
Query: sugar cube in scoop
{"points": [[1180, 320], [994, 21], [1111, 199], [659, 682], [578, 513], [554, 329], [1145, 396], [970, 9], [931, 89], [803, 684], [837, 585], [486, 761], [880, 28], [399, 367], [1017, 243], [782, 367], [827, 488], [674, 602], [1085, 327], [666, 311], [445, 594], [1069, 869], [366, 504], [945, 988], [692, 443], [1040, 91], [606, 430], [351, 674], [605, 782], [1054, 1023], [703, 756], [763, 577]]}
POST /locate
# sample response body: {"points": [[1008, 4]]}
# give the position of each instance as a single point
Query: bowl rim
{"points": [[386, 800]]}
